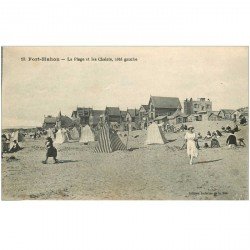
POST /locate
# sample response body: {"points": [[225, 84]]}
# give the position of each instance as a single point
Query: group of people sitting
{"points": [[228, 129], [9, 147], [231, 141], [243, 120]]}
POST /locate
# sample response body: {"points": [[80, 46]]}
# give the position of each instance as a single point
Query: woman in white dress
{"points": [[191, 139]]}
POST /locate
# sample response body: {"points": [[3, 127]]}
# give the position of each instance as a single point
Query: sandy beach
{"points": [[154, 172]]}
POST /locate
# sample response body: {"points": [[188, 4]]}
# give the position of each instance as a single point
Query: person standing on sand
{"points": [[51, 150], [191, 139], [231, 140]]}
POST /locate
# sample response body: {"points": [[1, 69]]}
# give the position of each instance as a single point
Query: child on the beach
{"points": [[51, 150]]}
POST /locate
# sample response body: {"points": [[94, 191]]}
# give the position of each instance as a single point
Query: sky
{"points": [[33, 89]]}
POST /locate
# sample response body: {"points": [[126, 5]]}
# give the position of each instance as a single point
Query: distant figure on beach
{"points": [[208, 136], [191, 139], [199, 136], [243, 120], [219, 134], [214, 133], [4, 144], [231, 140], [15, 147], [236, 128], [228, 129], [241, 142], [51, 150], [214, 142]]}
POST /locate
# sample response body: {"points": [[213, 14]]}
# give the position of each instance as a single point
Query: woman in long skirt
{"points": [[51, 150], [191, 139]]}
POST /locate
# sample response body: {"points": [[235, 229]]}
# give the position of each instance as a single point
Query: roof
{"points": [[215, 112], [132, 112], [50, 119], [227, 111], [146, 107], [202, 112], [243, 114], [66, 121], [160, 117], [74, 113], [114, 111], [165, 102], [176, 113], [245, 109]]}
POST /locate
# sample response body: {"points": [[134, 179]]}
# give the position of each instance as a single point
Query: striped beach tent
{"points": [[108, 141]]}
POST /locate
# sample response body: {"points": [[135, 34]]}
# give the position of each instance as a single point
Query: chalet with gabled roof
{"points": [[113, 114], [143, 113], [81, 114], [132, 115], [226, 114], [49, 122], [159, 105]]}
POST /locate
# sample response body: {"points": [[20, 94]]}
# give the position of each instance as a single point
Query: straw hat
{"points": [[190, 126]]}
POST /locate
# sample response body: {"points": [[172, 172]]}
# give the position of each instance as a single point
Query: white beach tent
{"points": [[66, 133], [74, 134], [61, 137], [154, 135], [86, 134], [17, 136], [8, 136]]}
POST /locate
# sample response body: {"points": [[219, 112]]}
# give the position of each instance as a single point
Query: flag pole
{"points": [[127, 138]]}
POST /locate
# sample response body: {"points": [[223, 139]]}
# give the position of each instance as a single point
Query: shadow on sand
{"points": [[66, 161], [171, 140], [201, 162], [132, 149]]}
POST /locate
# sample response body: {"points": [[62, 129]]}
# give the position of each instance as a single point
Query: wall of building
{"points": [[194, 106]]}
